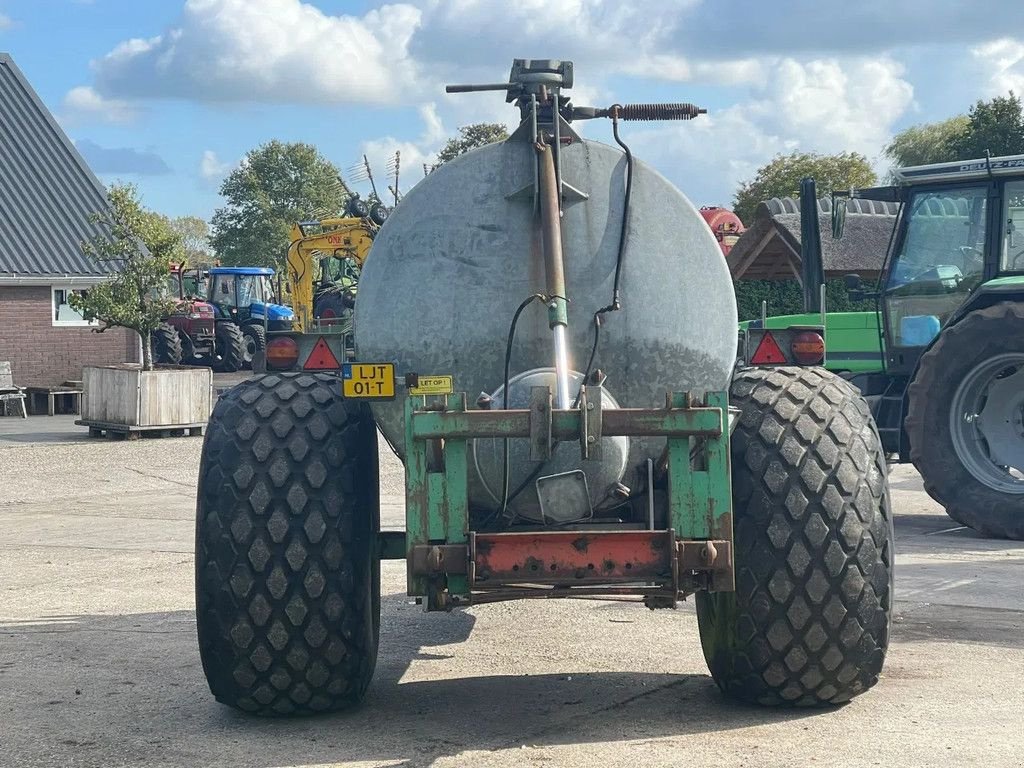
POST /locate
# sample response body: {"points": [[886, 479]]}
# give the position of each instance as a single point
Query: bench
{"points": [[8, 391], [69, 397]]}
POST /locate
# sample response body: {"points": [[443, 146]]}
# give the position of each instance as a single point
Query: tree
{"points": [[195, 239], [471, 137], [141, 245], [996, 126], [927, 143], [781, 178], [276, 185]]}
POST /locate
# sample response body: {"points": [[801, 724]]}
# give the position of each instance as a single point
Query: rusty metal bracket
{"points": [[711, 557], [437, 559], [590, 422], [541, 441]]}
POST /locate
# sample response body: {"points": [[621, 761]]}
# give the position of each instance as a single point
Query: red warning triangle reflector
{"points": [[321, 358], [768, 352]]}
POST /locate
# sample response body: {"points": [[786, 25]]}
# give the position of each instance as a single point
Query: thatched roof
{"points": [[770, 248]]}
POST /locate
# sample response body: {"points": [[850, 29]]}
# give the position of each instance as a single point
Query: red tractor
{"points": [[187, 335]]}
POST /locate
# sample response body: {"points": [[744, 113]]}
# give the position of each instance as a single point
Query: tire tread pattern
{"points": [[287, 585], [809, 622]]}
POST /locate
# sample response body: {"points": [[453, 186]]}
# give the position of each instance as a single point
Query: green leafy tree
{"points": [[275, 185], [781, 178], [927, 143], [141, 245], [996, 126], [195, 240], [471, 137]]}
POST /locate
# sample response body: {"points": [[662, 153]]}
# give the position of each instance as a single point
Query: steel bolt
{"points": [[591, 439], [590, 406]]}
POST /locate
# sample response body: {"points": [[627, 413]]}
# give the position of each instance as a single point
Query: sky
{"points": [[171, 94]]}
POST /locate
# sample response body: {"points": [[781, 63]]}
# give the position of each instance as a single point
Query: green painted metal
{"points": [[1010, 281], [558, 312], [437, 508], [700, 493], [565, 424], [417, 516]]}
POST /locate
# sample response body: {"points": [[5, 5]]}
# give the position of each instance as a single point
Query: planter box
{"points": [[170, 396]]}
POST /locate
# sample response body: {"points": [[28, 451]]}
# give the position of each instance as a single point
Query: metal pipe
{"points": [[562, 396], [554, 271]]}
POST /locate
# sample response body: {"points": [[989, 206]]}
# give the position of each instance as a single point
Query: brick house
{"points": [[47, 194]]}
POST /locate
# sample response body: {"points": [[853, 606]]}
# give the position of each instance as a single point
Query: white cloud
{"points": [[5, 22], [831, 105], [825, 105], [83, 103], [1002, 61], [277, 51], [211, 168]]}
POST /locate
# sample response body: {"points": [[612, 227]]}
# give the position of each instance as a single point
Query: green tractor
{"points": [[613, 449], [941, 361]]}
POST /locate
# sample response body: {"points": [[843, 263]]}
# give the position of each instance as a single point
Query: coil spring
{"points": [[660, 111]]}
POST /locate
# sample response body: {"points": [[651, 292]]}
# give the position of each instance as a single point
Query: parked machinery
{"points": [[588, 303], [243, 300], [186, 335], [324, 261], [941, 360]]}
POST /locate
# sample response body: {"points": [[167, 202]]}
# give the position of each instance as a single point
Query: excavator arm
{"points": [[346, 238]]}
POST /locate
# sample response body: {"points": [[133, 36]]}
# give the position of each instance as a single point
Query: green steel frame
{"points": [[438, 432]]}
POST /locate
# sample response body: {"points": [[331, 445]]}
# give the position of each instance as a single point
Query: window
{"points": [[940, 261], [224, 290], [1013, 234], [62, 313]]}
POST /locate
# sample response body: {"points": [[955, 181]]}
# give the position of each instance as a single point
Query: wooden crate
{"points": [[129, 396]]}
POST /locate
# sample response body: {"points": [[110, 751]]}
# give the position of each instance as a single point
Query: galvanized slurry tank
{"points": [[461, 252]]}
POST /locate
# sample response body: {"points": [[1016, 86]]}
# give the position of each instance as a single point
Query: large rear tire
{"points": [[230, 347], [808, 624], [965, 420], [166, 345], [287, 572]]}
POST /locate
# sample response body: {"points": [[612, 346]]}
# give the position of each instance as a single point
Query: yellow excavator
{"points": [[324, 259]]}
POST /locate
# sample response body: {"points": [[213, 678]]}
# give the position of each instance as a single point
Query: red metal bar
{"points": [[571, 557]]}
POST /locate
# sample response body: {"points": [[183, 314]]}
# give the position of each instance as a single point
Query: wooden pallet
{"points": [[131, 432]]}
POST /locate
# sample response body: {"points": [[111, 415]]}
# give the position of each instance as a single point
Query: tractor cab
{"points": [[960, 226], [246, 295]]}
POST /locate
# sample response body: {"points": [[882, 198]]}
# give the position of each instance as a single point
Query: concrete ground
{"points": [[99, 665]]}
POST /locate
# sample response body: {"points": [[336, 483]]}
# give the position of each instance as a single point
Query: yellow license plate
{"points": [[368, 381]]}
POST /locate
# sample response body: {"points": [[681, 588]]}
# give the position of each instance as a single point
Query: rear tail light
{"points": [[282, 353], [808, 348]]}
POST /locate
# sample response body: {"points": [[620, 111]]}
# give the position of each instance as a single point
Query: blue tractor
{"points": [[243, 300]]}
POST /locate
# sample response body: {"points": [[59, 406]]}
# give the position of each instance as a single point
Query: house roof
{"points": [[47, 191], [770, 248]]}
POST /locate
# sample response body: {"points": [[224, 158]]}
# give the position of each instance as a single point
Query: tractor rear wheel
{"points": [[166, 345], [965, 420], [230, 347], [808, 624], [287, 572], [255, 337]]}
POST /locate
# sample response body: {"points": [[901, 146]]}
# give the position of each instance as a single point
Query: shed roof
{"points": [[47, 191], [770, 248]]}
